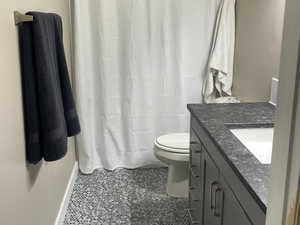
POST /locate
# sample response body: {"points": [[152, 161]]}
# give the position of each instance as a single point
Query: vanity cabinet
{"points": [[211, 199]]}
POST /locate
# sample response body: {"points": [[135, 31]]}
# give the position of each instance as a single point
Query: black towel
{"points": [[49, 110]]}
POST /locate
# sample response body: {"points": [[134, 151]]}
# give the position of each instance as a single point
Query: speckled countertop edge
{"points": [[217, 119]]}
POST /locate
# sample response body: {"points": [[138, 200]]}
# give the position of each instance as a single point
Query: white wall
{"points": [[29, 195]]}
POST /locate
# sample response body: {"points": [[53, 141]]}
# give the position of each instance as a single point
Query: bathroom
{"points": [[150, 148]]}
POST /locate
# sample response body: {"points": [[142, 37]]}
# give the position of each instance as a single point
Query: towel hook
{"points": [[20, 18]]}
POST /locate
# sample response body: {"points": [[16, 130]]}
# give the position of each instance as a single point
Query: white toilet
{"points": [[173, 150]]}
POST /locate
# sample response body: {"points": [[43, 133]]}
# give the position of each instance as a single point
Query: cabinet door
{"points": [[196, 178], [229, 207], [211, 216]]}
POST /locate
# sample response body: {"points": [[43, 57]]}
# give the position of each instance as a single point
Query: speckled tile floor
{"points": [[124, 197]]}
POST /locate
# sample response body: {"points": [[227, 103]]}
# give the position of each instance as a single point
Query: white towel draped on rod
{"points": [[218, 82]]}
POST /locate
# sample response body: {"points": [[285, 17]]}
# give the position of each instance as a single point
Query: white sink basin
{"points": [[259, 142]]}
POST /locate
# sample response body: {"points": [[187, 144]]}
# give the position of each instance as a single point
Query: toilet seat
{"points": [[176, 143]]}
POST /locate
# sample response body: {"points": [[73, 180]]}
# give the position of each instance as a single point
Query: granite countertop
{"points": [[217, 119]]}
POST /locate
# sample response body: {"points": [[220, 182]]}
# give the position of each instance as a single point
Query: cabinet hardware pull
{"points": [[218, 202], [198, 150], [212, 206], [195, 147]]}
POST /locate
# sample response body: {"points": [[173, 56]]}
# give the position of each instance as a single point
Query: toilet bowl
{"points": [[173, 150]]}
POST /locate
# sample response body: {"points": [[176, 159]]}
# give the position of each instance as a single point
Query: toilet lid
{"points": [[176, 142]]}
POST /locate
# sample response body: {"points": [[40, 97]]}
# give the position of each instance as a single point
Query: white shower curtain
{"points": [[137, 64]]}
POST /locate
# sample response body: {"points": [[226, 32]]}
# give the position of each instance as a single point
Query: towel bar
{"points": [[20, 18]]}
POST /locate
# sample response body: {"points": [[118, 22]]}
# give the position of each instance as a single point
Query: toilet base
{"points": [[178, 182]]}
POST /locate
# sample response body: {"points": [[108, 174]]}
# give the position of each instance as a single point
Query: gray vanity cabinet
{"points": [[212, 202], [228, 186]]}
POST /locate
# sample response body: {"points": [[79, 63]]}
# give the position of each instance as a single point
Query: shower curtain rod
{"points": [[20, 18]]}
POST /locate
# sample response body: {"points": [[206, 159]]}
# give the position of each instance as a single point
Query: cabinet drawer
{"points": [[194, 140], [195, 156], [195, 193], [195, 177], [195, 205], [195, 150]]}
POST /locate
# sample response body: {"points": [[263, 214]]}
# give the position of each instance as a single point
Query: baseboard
{"points": [[65, 201]]}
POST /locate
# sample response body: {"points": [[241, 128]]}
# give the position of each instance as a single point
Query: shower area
{"points": [[137, 64]]}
